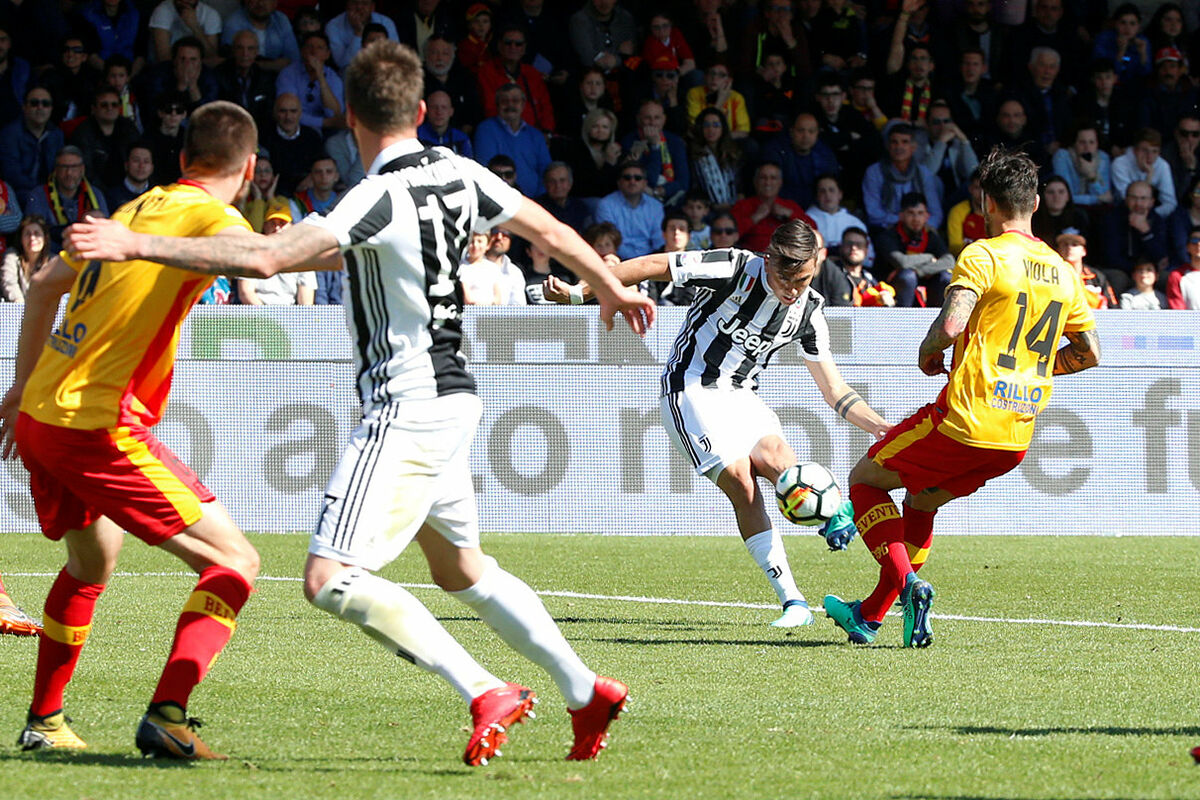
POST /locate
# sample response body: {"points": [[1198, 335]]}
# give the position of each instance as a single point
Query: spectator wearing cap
{"points": [[14, 77], [664, 87], [165, 137], [1143, 162], [634, 212], [28, 145], [667, 40], [436, 130], [67, 196], [139, 166], [473, 48], [345, 31], [172, 20], [1073, 249], [272, 30], [322, 98], [509, 133], [507, 67], [1171, 93], [283, 288]]}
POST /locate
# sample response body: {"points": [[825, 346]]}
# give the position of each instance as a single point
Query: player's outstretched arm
{"points": [[949, 325], [1081, 352], [848, 403], [234, 252], [41, 304], [537, 225], [654, 267]]}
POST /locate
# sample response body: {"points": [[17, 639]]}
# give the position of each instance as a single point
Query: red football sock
{"points": [[66, 621], [882, 530], [918, 537], [207, 622]]}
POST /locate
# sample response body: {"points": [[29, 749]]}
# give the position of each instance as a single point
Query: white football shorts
{"points": [[715, 427], [407, 464]]}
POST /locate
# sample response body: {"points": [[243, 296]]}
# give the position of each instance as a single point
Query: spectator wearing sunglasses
{"points": [[635, 213], [71, 80], [104, 138], [1182, 153], [29, 144], [508, 67]]}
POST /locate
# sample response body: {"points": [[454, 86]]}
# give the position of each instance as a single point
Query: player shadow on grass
{"points": [[131, 759], [790, 641], [1103, 730]]}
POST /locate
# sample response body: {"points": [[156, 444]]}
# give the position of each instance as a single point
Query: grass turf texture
{"points": [[722, 705]]}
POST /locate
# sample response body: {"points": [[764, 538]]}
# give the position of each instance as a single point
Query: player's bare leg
{"points": [[517, 615], [91, 558], [739, 481]]}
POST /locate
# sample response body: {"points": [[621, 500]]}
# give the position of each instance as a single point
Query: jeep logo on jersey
{"points": [[752, 343]]}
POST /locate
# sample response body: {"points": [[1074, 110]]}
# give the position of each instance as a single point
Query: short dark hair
{"points": [[1101, 65], [117, 60], [1150, 136], [219, 137], [1010, 178], [314, 35], [593, 233], [186, 41], [903, 128], [384, 85], [856, 230], [912, 200], [373, 27], [675, 216], [796, 244], [501, 160]]}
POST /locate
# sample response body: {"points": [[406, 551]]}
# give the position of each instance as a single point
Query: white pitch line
{"points": [[630, 598]]}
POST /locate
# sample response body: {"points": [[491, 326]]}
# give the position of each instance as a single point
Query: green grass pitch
{"points": [[1007, 704]]}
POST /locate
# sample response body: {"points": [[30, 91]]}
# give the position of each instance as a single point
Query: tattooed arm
{"points": [[233, 252], [956, 313], [1081, 352]]}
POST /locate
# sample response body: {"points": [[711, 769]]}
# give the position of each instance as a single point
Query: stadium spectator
{"points": [[594, 156], [664, 87], [71, 80], [184, 74], [30, 251], [28, 145], [242, 80], [660, 152], [776, 30], [1012, 132], [1125, 46], [139, 166], [1183, 285], [1047, 99], [66, 197], [1182, 153], [908, 93], [420, 21], [173, 20], [588, 94], [717, 92], [262, 197], [1112, 109], [1142, 296], [972, 97], [1085, 167], [272, 31], [915, 254], [844, 279], [759, 215], [667, 40], [724, 230], [854, 141], [117, 72], [283, 288], [549, 50], [1167, 28], [773, 96], [716, 159], [710, 28], [503, 168], [898, 173], [1073, 249], [443, 72], [841, 34], [512, 279], [697, 209], [633, 211], [1143, 162], [974, 30], [1132, 231], [541, 267], [862, 98], [949, 154], [558, 200], [676, 239], [831, 218], [480, 277], [14, 79], [603, 33], [508, 68], [508, 133], [342, 148], [104, 138], [345, 31], [1171, 94], [605, 239], [293, 146], [476, 47], [1186, 217], [801, 157], [965, 222], [319, 195], [315, 84], [116, 24], [1045, 27], [1057, 212], [166, 137], [436, 130]]}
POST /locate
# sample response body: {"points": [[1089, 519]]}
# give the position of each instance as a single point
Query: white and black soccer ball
{"points": [[807, 494]]}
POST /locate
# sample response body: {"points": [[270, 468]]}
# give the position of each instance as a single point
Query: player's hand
{"points": [[934, 363], [556, 290], [100, 240], [637, 308], [8, 418]]}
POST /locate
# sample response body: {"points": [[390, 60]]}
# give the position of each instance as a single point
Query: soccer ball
{"points": [[807, 494]]}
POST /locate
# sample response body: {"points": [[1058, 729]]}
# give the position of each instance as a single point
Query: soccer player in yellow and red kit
{"points": [[79, 415], [1010, 301]]}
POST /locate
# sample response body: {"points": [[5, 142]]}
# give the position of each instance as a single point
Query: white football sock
{"points": [[512, 610], [391, 616], [766, 549]]}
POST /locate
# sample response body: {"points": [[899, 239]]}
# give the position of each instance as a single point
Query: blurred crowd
{"points": [[665, 125]]}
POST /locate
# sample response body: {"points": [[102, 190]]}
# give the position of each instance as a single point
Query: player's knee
{"points": [[245, 560]]}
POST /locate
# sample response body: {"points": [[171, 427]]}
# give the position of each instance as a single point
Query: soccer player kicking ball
{"points": [[746, 308], [79, 414], [1010, 301], [405, 473]]}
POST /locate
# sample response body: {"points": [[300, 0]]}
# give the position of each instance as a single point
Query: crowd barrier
{"points": [[571, 439]]}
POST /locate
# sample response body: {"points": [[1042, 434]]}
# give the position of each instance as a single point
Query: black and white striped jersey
{"points": [[736, 323], [402, 231]]}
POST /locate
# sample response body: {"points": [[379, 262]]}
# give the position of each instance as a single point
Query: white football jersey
{"points": [[402, 231], [736, 323]]}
